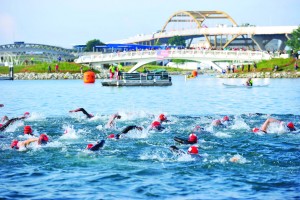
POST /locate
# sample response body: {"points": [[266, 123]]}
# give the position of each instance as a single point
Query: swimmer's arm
{"points": [[29, 141]]}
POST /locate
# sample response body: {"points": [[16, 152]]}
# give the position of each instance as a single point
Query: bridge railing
{"points": [[136, 56]]}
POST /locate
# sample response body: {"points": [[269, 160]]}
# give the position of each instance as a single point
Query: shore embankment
{"points": [[53, 76], [103, 75], [283, 74]]}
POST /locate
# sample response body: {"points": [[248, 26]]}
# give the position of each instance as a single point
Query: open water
{"points": [[141, 166]]}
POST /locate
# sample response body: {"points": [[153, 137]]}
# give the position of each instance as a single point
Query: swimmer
{"points": [[163, 118], [157, 126], [193, 151], [1, 105], [43, 139], [124, 131], [249, 82], [191, 140], [84, 112], [288, 127], [27, 130], [221, 122], [111, 122], [95, 147], [4, 126]]}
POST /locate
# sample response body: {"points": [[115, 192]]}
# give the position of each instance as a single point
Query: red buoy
{"points": [[89, 77]]}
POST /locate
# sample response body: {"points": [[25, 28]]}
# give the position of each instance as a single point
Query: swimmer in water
{"points": [[83, 111], [191, 140], [288, 127], [156, 125], [124, 131], [11, 121], [193, 151], [28, 130], [96, 147], [249, 82], [163, 118], [111, 121], [43, 139], [221, 122], [1, 105]]}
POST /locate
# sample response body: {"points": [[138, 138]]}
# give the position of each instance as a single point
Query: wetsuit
{"points": [[177, 151], [97, 146], [126, 130], [84, 112], [2, 128], [184, 141]]}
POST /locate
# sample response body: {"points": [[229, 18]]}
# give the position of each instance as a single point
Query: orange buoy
{"points": [[194, 73], [89, 77]]}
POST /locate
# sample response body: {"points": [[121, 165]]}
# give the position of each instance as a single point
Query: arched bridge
{"points": [[225, 33], [144, 57]]}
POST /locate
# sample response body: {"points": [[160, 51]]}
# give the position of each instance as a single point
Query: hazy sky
{"points": [[68, 22]]}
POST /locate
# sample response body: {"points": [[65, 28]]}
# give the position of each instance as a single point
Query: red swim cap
{"points": [[155, 124], [26, 114], [291, 126], [1, 125], [162, 117], [255, 130], [27, 130], [14, 144], [111, 136], [193, 138], [193, 150], [44, 138], [89, 146], [225, 118]]}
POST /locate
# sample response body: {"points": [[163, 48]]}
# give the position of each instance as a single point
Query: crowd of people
{"points": [[156, 125]]}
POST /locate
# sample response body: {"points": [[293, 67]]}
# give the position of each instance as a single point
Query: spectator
{"points": [[56, 68]]}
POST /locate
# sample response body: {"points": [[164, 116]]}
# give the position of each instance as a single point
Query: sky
{"points": [[66, 23]]}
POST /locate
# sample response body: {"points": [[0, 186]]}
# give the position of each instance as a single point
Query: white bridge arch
{"points": [[144, 57]]}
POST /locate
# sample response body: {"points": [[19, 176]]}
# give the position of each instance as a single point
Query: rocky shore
{"points": [[53, 76], [103, 75], [261, 75]]}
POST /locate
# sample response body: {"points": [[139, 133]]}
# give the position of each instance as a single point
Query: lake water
{"points": [[141, 166]]}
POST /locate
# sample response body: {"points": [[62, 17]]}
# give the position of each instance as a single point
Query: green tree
{"points": [[92, 43], [177, 40], [294, 41]]}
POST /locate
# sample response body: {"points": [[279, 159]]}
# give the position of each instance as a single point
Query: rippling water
{"points": [[140, 165]]}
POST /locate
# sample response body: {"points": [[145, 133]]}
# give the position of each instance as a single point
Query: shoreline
{"points": [[67, 75]]}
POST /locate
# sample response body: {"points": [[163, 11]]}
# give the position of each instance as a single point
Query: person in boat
{"points": [[111, 122], [124, 131], [192, 139], [88, 115], [42, 139], [95, 147], [11, 121], [249, 82], [288, 127], [193, 151]]}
